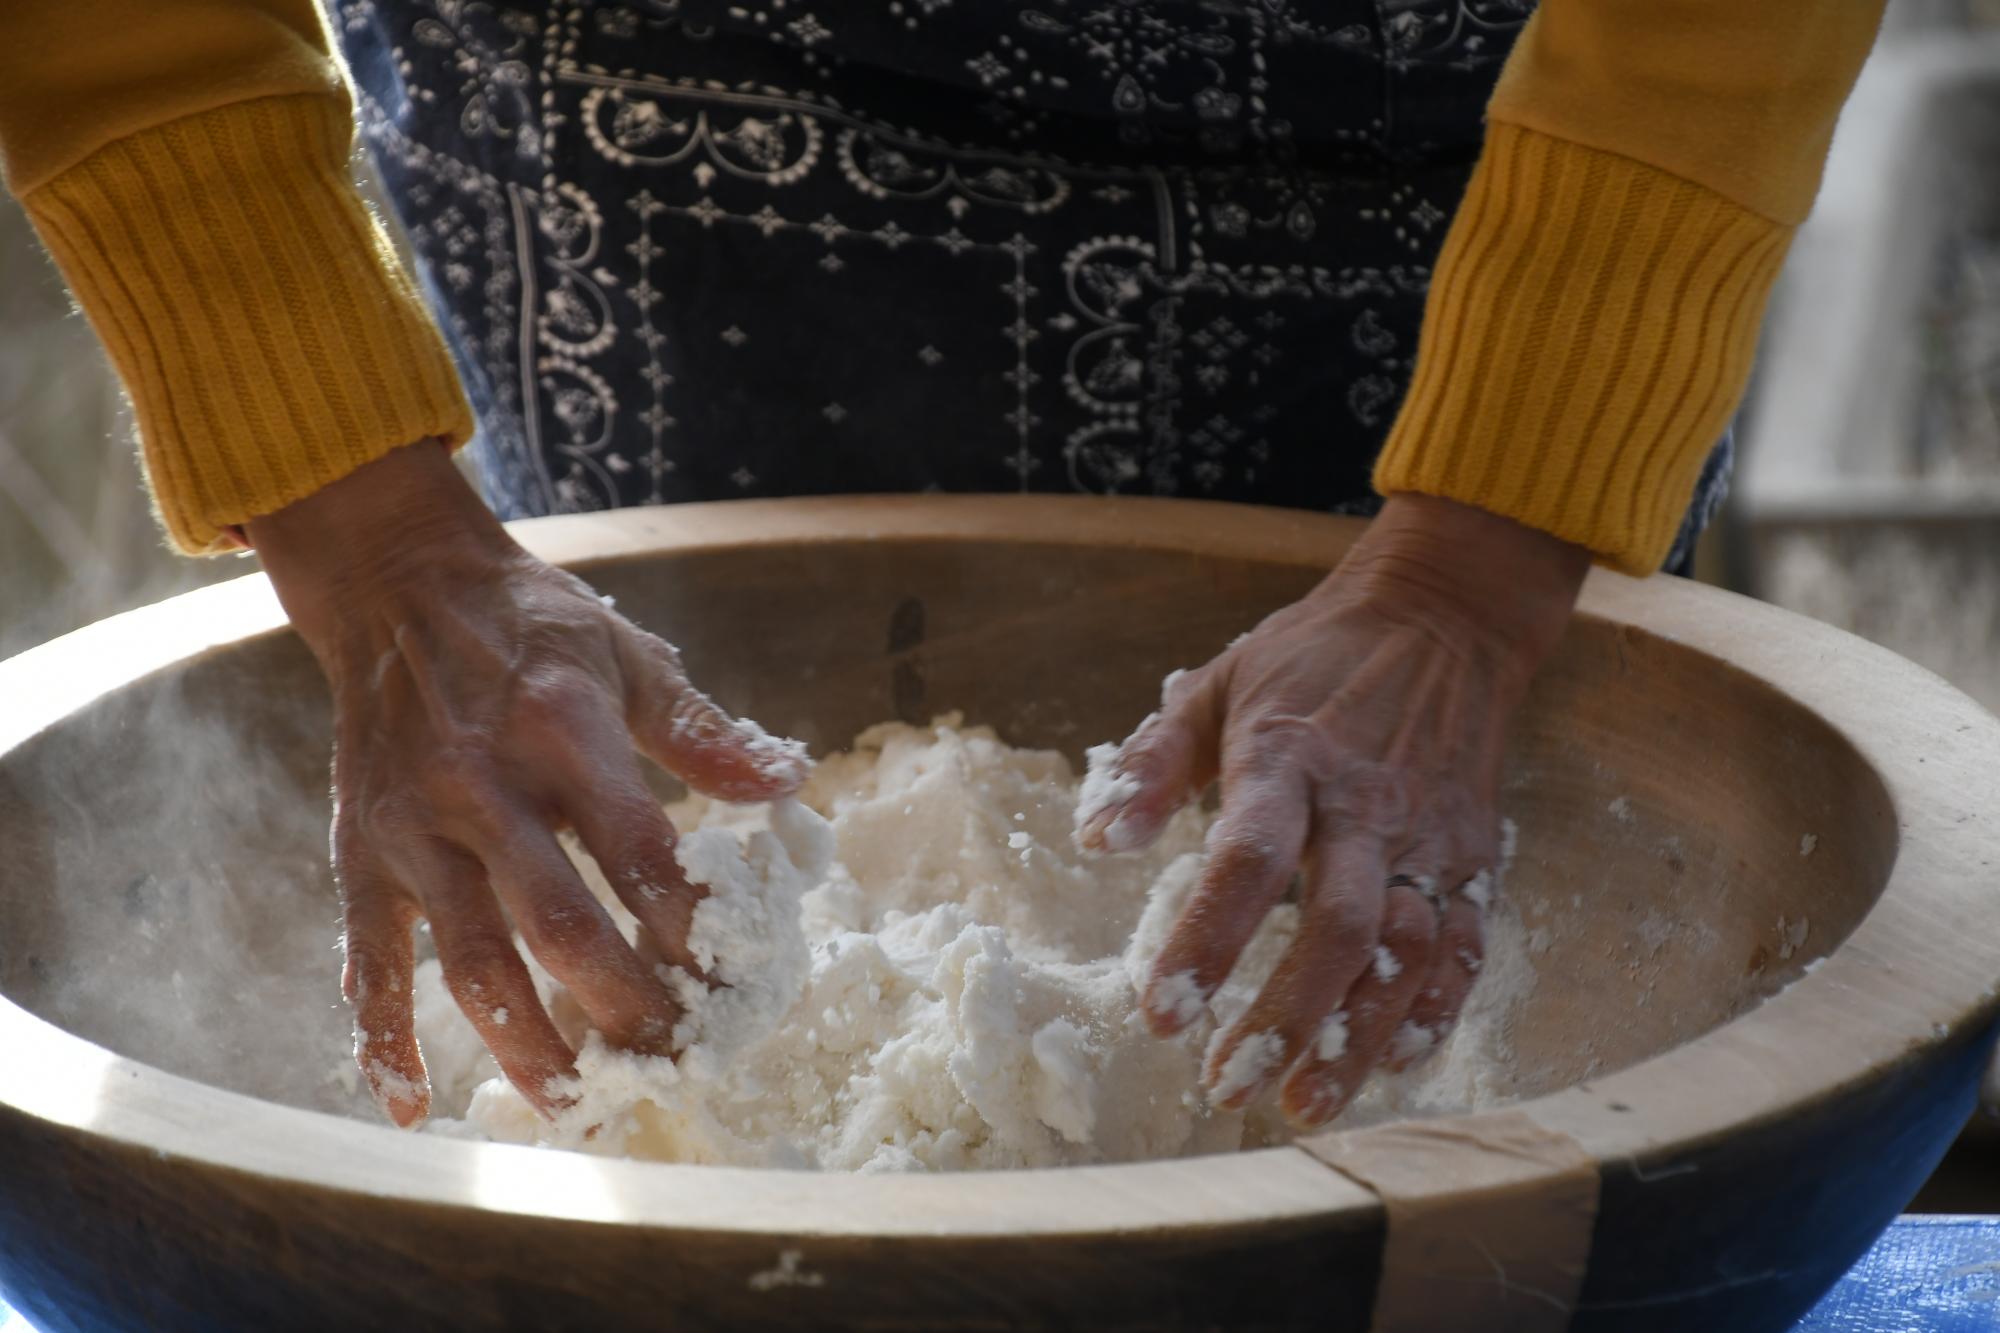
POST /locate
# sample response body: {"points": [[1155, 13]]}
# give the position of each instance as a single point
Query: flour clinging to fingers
{"points": [[915, 968]]}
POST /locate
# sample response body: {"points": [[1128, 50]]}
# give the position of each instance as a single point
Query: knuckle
{"points": [[349, 855], [693, 720], [383, 820], [547, 698], [640, 874], [1371, 795], [374, 972], [1240, 854], [1350, 922], [1421, 857], [1279, 737], [361, 887], [638, 830], [1341, 919], [480, 968], [1146, 760], [459, 772], [363, 814], [563, 928], [662, 657], [558, 699], [1409, 925]]}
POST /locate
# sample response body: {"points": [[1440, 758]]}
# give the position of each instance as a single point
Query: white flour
{"points": [[920, 971]]}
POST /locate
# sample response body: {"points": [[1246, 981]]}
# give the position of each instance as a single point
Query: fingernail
{"points": [[397, 1096], [1125, 832], [1174, 1001], [559, 1094], [1088, 831], [779, 756], [1114, 830], [1249, 1067]]}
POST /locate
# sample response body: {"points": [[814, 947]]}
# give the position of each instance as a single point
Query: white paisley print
{"points": [[691, 249]]}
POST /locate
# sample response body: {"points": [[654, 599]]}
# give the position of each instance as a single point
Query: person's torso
{"points": [[697, 250]]}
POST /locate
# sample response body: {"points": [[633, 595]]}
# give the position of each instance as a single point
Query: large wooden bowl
{"points": [[174, 1154]]}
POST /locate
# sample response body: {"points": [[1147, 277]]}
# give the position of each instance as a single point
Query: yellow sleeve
{"points": [[186, 164], [1594, 311]]}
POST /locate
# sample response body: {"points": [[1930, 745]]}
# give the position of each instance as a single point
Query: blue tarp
{"points": [[1926, 1275]]}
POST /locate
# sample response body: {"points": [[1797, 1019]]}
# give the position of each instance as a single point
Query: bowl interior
{"points": [[1689, 837]]}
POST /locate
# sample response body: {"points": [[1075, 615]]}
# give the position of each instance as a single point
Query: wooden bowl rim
{"points": [[1922, 962]]}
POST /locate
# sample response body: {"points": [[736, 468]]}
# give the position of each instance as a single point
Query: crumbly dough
{"points": [[919, 970]]}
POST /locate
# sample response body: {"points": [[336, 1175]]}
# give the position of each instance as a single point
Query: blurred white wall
{"points": [[77, 540]]}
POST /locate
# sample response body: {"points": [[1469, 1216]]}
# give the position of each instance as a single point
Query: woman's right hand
{"points": [[484, 700]]}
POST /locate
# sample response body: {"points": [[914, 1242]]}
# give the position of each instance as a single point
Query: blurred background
{"points": [[1868, 493], [77, 541]]}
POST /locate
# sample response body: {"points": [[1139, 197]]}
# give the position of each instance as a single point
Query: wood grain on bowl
{"points": [[1757, 853]]}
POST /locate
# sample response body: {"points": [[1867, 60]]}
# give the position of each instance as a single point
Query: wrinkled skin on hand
{"points": [[484, 700], [1357, 735]]}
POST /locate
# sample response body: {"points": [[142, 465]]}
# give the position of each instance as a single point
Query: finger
{"points": [[589, 774], [1455, 965], [633, 842], [1361, 1032], [685, 732], [566, 928], [1253, 851], [1340, 919], [1130, 791], [486, 976], [376, 977]]}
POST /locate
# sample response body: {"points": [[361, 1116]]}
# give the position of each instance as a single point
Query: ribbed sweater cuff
{"points": [[1589, 331], [269, 339]]}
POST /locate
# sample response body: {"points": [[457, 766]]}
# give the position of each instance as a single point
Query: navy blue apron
{"points": [[696, 250]]}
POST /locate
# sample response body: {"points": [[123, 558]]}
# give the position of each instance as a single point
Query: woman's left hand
{"points": [[1358, 736]]}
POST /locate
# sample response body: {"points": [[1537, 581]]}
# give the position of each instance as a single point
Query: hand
{"points": [[484, 700], [1358, 737]]}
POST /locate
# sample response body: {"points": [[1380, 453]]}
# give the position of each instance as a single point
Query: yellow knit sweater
{"points": [[1589, 328]]}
